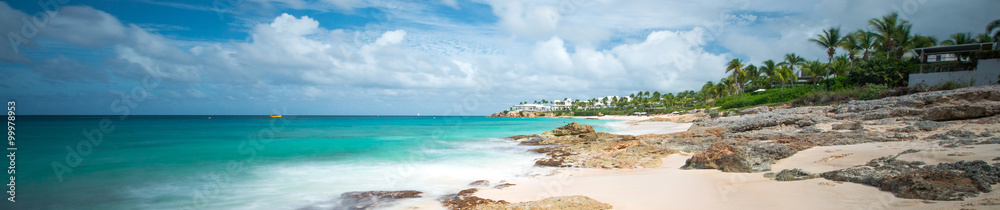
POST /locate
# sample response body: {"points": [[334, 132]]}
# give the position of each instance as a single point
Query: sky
{"points": [[386, 57]]}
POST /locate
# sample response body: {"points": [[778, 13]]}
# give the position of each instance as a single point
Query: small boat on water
{"points": [[275, 116]]}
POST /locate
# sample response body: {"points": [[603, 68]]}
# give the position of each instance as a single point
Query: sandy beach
{"points": [[674, 188], [641, 125], [921, 151]]}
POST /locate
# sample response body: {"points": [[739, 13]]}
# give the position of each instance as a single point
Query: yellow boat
{"points": [[276, 115]]}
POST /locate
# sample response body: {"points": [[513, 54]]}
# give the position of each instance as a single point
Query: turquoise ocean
{"points": [[257, 162]]}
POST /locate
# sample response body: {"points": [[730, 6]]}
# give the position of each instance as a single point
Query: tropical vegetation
{"points": [[860, 64]]}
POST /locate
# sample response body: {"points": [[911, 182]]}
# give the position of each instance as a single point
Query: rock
{"points": [[907, 179], [964, 103], [755, 110], [733, 156], [804, 122], [994, 140], [572, 129], [854, 125], [931, 185], [961, 112], [801, 116], [503, 185], [928, 125], [374, 199], [480, 183], [794, 175], [907, 129], [466, 200], [952, 134], [563, 202]]}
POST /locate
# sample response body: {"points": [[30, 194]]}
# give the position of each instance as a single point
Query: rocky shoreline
{"points": [[757, 138]]}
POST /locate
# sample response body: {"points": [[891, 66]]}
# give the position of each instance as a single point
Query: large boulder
{"points": [[572, 129], [911, 179], [738, 156]]}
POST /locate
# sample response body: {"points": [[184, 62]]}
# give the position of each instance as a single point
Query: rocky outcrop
{"points": [[736, 156], [564, 202], [374, 199], [961, 112], [853, 125], [466, 200], [791, 175], [755, 110], [802, 116], [570, 129], [801, 127], [958, 104], [480, 183], [912, 179], [575, 145]]}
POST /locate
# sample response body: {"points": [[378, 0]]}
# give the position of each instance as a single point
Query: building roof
{"points": [[948, 49]]}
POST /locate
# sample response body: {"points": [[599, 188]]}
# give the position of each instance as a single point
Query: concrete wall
{"points": [[985, 74]]}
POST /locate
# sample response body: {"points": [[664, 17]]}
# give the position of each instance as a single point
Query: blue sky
{"points": [[450, 57]]}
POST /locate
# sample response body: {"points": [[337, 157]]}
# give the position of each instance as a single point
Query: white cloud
{"points": [[529, 20], [552, 56], [450, 3], [536, 49]]}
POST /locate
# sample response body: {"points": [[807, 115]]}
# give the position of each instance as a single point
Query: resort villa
{"points": [[953, 63], [567, 104]]}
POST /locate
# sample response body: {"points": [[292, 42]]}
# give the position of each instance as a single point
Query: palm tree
{"points": [[852, 45], [983, 38], [892, 32], [729, 84], [841, 65], [720, 88], [770, 69], [865, 41], [993, 26], [830, 39], [920, 41], [792, 60], [751, 77], [814, 69], [708, 90], [959, 39], [785, 73], [736, 66]]}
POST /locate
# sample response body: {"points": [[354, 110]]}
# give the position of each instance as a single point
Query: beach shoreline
{"points": [[847, 140]]}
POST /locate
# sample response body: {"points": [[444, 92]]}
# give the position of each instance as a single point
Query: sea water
{"points": [[257, 162]]}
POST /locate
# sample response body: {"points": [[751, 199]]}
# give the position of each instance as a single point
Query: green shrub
{"points": [[765, 97], [824, 97], [881, 70], [836, 83], [872, 91], [988, 54], [951, 85]]}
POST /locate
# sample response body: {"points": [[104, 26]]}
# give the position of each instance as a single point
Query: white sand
{"points": [[669, 187], [636, 125]]}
